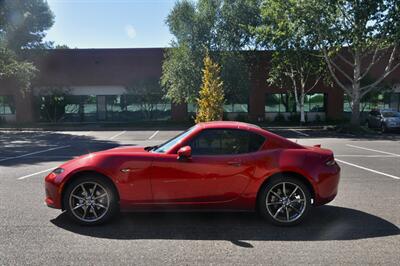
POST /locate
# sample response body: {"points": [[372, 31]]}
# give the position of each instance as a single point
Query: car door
{"points": [[377, 119], [219, 170]]}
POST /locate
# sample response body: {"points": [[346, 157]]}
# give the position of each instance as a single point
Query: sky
{"points": [[110, 23]]}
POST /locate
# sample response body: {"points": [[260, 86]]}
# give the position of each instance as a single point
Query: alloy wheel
{"points": [[286, 202], [89, 201]]}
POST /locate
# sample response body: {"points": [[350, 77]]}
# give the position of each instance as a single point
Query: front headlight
{"points": [[58, 171]]}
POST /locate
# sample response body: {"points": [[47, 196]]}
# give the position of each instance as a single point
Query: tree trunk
{"points": [[355, 97], [302, 115], [355, 107]]}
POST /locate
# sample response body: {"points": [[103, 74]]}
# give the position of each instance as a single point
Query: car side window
{"points": [[374, 113], [225, 141]]}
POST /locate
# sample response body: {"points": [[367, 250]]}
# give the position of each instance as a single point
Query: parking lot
{"points": [[361, 226]]}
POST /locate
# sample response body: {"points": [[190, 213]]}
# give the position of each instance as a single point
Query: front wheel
{"points": [[384, 128], [90, 200], [285, 201]]}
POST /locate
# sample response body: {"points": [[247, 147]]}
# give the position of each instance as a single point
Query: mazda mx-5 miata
{"points": [[211, 166]]}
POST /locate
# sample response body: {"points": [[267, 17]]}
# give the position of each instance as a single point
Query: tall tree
{"points": [[211, 96], [296, 64], [22, 26], [356, 36], [217, 26]]}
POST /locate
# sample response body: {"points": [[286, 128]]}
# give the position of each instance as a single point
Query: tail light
{"points": [[330, 162]]}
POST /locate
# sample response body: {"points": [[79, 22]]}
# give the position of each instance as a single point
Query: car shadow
{"points": [[25, 148], [324, 223]]}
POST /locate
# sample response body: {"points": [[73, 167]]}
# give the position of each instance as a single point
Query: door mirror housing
{"points": [[185, 153]]}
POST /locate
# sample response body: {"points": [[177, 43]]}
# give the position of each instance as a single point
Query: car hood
{"points": [[124, 149], [85, 158]]}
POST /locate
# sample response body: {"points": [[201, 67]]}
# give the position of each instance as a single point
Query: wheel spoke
{"points": [[94, 189], [274, 203], [295, 209], [78, 206], [294, 190], [298, 200], [287, 213], [278, 211], [276, 194], [93, 211], [77, 197], [84, 211], [102, 195], [84, 190], [100, 205], [284, 189]]}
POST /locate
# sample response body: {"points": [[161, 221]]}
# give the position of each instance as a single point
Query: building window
{"points": [[236, 108], [370, 102], [7, 106], [135, 107], [315, 102], [286, 103], [279, 103]]}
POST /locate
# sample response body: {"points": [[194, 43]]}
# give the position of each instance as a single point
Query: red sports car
{"points": [[215, 165]]}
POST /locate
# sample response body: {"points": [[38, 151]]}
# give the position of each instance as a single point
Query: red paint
{"points": [[156, 180]]}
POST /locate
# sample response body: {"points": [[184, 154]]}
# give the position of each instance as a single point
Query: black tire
{"points": [[97, 210], [384, 128], [298, 208]]}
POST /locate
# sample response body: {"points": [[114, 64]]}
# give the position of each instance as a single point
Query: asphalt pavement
{"points": [[361, 226]]}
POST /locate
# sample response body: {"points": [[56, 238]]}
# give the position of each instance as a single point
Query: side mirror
{"points": [[185, 153]]}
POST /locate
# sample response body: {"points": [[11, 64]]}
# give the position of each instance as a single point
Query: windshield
{"points": [[390, 114], [170, 143]]}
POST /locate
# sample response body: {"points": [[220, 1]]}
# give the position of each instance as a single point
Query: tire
{"points": [[384, 129], [280, 207], [94, 207]]}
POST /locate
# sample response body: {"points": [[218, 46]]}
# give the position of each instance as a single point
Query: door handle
{"points": [[235, 163]]}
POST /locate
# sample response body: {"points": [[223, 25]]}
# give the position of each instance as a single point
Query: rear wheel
{"points": [[384, 128], [285, 201], [90, 200]]}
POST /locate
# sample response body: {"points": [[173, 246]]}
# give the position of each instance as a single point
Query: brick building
{"points": [[96, 85]]}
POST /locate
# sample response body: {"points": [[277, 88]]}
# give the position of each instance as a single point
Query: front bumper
{"points": [[53, 191]]}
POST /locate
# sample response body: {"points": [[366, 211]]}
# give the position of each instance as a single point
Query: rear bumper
{"points": [[327, 187]]}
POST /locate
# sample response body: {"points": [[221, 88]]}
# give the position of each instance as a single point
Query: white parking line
{"points": [[367, 149], [32, 153], [366, 156], [117, 135], [154, 134], [41, 172], [299, 132], [368, 169]]}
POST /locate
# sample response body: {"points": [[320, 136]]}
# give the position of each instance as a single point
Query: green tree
{"points": [[51, 103], [355, 36], [211, 96], [221, 27], [22, 26], [296, 64]]}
